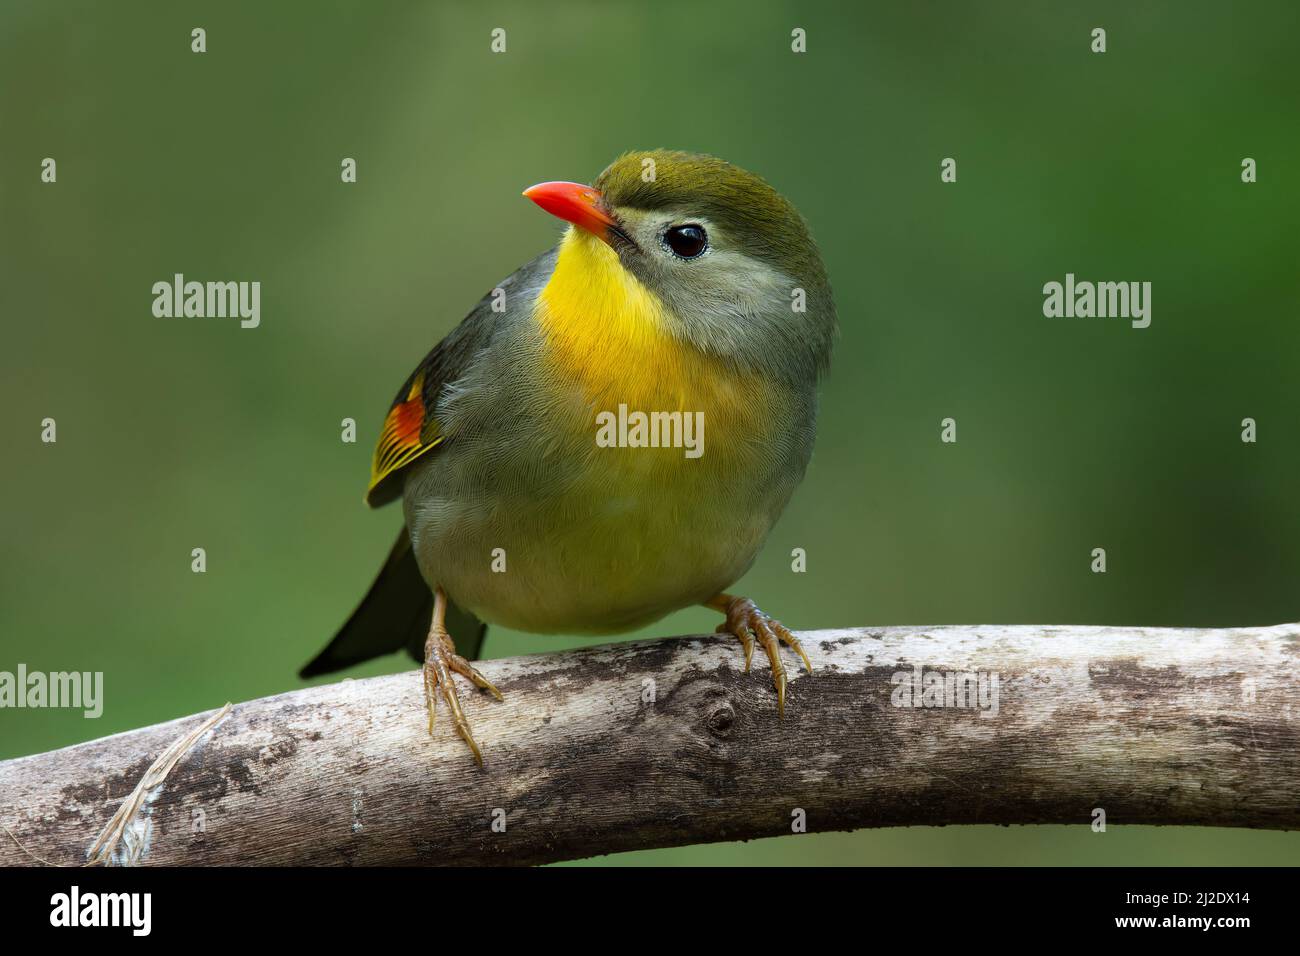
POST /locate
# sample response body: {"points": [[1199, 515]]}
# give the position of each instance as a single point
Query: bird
{"points": [[540, 450]]}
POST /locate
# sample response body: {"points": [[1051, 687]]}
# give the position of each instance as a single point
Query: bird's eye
{"points": [[686, 242]]}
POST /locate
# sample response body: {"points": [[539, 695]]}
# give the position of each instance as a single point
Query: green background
{"points": [[1073, 434]]}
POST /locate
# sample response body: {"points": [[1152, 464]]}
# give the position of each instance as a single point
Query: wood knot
{"points": [[720, 720]]}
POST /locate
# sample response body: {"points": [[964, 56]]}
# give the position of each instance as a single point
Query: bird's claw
{"points": [[746, 623], [440, 661]]}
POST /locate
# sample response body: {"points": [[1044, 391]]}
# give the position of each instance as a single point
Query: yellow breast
{"points": [[609, 335]]}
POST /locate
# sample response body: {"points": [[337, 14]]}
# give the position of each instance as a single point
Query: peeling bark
{"points": [[1151, 725]]}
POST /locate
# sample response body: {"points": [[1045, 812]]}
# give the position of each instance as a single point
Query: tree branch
{"points": [[667, 742]]}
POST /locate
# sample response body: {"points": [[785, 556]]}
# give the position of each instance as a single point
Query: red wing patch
{"points": [[402, 439]]}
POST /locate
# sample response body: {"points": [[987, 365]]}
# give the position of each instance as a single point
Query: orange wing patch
{"points": [[402, 439]]}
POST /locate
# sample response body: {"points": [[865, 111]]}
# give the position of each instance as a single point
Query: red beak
{"points": [[575, 203]]}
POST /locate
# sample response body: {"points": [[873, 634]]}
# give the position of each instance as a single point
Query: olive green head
{"points": [[730, 255]]}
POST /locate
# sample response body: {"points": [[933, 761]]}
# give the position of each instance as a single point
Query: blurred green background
{"points": [[1073, 434]]}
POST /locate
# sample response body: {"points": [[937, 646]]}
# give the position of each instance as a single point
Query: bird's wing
{"points": [[411, 429]]}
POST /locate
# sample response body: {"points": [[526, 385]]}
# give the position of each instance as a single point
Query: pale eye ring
{"points": [[688, 241]]}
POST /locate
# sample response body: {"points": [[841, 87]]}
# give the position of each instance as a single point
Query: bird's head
{"points": [[730, 257]]}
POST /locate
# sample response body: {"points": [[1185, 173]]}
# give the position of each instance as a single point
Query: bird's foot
{"points": [[440, 661], [747, 623]]}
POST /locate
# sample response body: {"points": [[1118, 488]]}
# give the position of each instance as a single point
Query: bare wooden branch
{"points": [[668, 742]]}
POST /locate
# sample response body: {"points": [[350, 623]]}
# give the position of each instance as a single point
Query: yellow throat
{"points": [[610, 334]]}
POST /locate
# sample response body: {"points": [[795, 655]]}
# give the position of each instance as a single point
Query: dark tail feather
{"points": [[395, 614]]}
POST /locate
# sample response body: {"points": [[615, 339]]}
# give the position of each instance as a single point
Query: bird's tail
{"points": [[395, 614]]}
